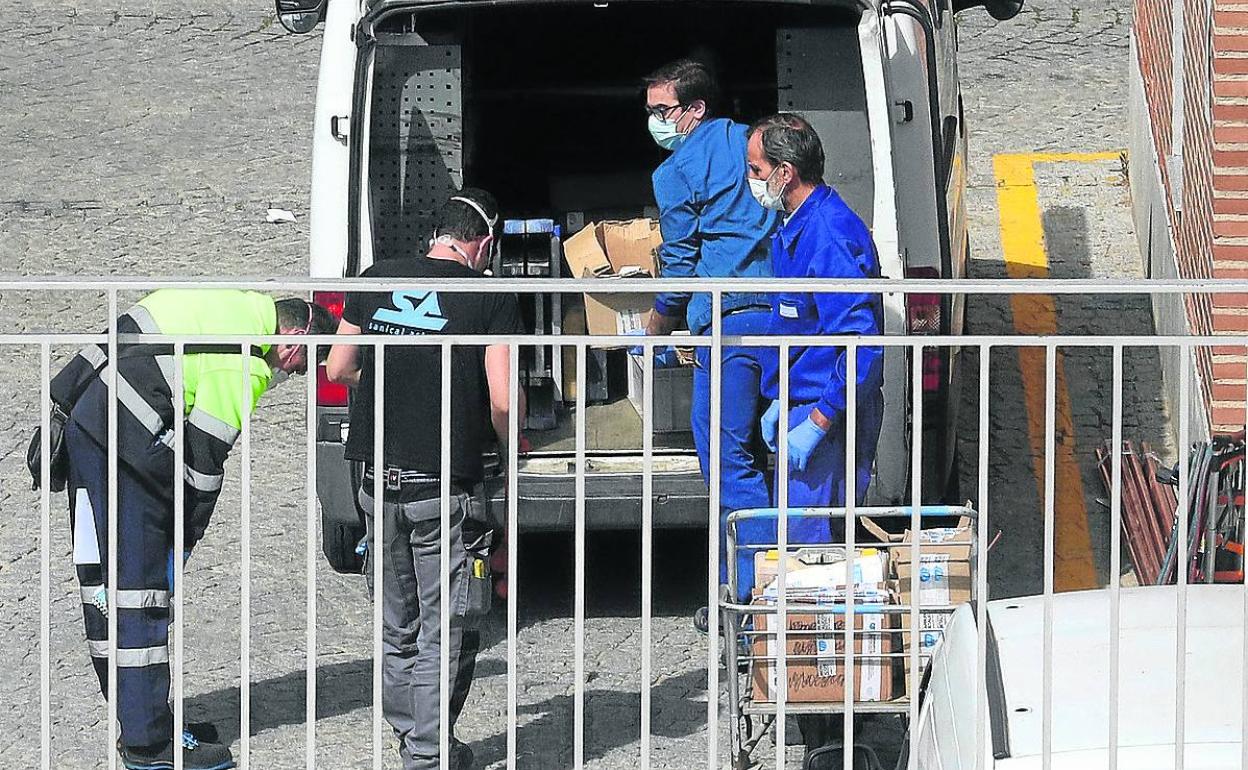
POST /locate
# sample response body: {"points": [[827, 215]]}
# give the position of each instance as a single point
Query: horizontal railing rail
{"points": [[581, 344]]}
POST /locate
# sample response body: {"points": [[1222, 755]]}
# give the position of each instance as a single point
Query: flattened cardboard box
{"points": [[821, 679], [610, 250]]}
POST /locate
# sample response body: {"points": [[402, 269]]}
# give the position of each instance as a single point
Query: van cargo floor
{"points": [[613, 426]]}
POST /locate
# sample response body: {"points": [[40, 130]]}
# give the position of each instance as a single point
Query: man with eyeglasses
{"points": [[712, 228]]}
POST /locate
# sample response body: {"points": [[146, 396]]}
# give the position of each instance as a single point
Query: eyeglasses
{"points": [[664, 112]]}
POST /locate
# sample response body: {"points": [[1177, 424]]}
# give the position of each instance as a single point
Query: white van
{"points": [[540, 102], [1080, 665]]}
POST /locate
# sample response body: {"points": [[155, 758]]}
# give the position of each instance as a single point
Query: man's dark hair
{"points": [[293, 314], [788, 138], [691, 79], [461, 221]]}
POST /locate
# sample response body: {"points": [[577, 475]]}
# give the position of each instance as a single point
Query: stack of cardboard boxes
{"points": [[881, 578], [612, 251], [822, 579]]}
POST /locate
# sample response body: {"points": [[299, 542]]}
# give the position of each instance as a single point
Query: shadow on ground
{"points": [[1016, 452]]}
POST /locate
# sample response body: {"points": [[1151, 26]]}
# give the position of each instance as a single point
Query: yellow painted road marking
{"points": [[1022, 241]]}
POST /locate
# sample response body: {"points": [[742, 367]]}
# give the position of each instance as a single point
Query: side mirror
{"points": [[1001, 10], [300, 16]]}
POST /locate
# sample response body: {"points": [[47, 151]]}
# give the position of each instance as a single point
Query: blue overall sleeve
{"points": [[841, 314], [682, 239]]}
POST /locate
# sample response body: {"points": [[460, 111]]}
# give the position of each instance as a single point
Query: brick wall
{"points": [[1210, 222], [1229, 202]]}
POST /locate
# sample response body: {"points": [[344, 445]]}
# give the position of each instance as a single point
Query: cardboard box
{"points": [[931, 633], [607, 314], [633, 244], [870, 569], [613, 250], [945, 573], [946, 578], [586, 254], [821, 679]]}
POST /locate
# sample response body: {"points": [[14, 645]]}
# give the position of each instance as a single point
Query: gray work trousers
{"points": [[411, 616]]}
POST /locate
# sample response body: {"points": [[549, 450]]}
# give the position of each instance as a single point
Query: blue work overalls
{"points": [[712, 227], [823, 239]]}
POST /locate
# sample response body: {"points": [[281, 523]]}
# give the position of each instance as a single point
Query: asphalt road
{"points": [[143, 138]]}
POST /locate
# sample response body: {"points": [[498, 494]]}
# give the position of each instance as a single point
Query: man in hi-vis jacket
{"points": [[213, 399]]}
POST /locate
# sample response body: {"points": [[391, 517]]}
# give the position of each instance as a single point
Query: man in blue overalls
{"points": [[819, 238], [712, 227]]}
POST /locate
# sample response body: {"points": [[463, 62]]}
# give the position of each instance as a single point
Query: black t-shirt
{"points": [[413, 389]]}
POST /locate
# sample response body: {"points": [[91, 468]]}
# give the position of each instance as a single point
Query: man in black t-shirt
{"points": [[466, 233]]}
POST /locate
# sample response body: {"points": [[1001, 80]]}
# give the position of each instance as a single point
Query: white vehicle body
{"points": [[1147, 690], [901, 169]]}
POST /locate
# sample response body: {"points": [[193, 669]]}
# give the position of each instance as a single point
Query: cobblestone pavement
{"points": [[143, 140]]}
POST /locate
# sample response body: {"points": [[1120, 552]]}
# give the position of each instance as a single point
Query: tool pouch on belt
{"points": [[58, 458], [481, 536]]}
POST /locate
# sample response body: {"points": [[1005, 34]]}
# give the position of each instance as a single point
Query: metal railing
{"points": [[715, 341]]}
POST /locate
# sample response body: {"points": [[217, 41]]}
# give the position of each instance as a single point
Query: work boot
{"points": [[196, 755], [702, 620], [203, 732]]}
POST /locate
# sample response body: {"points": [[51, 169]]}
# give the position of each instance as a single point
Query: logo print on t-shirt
{"points": [[415, 310]]}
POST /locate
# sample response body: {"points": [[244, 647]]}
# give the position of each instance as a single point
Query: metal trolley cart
{"points": [[817, 644]]}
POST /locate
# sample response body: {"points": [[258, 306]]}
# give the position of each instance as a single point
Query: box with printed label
{"points": [[615, 250], [944, 568], [815, 660], [931, 631]]}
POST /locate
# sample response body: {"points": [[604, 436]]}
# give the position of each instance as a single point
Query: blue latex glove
{"points": [[186, 555], [664, 357], [802, 442], [770, 425]]}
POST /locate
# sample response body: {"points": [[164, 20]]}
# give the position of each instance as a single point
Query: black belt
{"points": [[395, 479]]}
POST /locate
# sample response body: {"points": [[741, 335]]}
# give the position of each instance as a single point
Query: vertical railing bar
{"points": [[1182, 563], [916, 527], [647, 547], [377, 545], [1243, 489], [1115, 555], [781, 662], [714, 515], [310, 557], [1050, 455], [578, 705], [45, 564], [244, 567], [850, 522], [112, 516], [513, 534], [444, 569], [981, 560], [179, 545]]}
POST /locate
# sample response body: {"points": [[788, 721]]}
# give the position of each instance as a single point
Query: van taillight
{"points": [[923, 315], [330, 393]]}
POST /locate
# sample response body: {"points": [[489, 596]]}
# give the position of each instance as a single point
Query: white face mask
{"points": [[279, 376], [665, 133], [761, 190]]}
